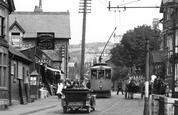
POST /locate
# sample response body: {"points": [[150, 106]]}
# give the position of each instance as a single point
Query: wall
{"points": [[17, 77]]}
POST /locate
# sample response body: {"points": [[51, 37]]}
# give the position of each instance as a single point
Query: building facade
{"points": [[49, 31], [19, 77], [6, 7], [169, 9]]}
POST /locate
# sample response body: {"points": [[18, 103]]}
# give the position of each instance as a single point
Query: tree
{"points": [[119, 73], [132, 49]]}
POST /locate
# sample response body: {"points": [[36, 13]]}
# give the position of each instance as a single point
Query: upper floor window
{"points": [[16, 40], [2, 26]]}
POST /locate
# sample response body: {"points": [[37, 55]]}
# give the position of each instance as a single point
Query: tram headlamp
{"points": [[100, 87]]}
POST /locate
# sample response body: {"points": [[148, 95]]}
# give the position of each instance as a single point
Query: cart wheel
{"points": [[88, 109], [64, 109]]}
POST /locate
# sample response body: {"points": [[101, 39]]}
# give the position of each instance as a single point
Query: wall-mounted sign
{"points": [[43, 61], [45, 41]]}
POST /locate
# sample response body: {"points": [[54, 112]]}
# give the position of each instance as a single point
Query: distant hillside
{"points": [[91, 50]]}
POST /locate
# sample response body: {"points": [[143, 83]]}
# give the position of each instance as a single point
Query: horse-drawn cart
{"points": [[132, 88], [76, 99]]}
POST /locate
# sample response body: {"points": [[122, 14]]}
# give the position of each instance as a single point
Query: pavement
{"points": [[37, 105]]}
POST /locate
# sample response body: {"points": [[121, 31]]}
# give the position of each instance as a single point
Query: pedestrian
{"points": [[119, 87], [68, 84], [60, 86]]}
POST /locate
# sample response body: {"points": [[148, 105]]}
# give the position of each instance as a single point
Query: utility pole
{"points": [[84, 11], [146, 105]]}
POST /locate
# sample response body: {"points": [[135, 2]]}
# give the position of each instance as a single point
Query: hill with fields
{"points": [[92, 50]]}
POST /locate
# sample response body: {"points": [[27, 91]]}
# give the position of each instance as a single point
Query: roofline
{"points": [[36, 37], [18, 26], [38, 13]]}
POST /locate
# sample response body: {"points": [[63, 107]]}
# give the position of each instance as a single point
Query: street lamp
{"points": [[146, 105]]}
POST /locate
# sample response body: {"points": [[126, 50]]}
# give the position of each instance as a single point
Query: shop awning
{"points": [[55, 70]]}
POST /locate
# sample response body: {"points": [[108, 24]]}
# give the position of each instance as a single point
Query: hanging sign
{"points": [[45, 41]]}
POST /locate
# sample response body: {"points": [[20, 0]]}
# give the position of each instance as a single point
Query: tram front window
{"points": [[101, 74], [93, 75], [108, 74]]}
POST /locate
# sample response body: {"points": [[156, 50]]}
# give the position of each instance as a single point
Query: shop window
{"points": [[16, 40]]}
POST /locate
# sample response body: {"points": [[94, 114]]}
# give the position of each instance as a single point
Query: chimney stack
{"points": [[40, 4], [39, 8]]}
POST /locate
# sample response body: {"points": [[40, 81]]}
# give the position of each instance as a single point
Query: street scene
{"points": [[116, 105], [98, 57]]}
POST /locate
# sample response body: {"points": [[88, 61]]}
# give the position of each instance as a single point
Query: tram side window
{"points": [[93, 74], [101, 74], [108, 74]]}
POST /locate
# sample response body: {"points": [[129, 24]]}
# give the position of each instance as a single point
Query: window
{"points": [[94, 74], [14, 71], [100, 74], [0, 76], [5, 75], [108, 74], [24, 75], [5, 59], [0, 58], [16, 40], [2, 27]]}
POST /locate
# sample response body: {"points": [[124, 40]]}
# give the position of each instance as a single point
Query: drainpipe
{"points": [[10, 95]]}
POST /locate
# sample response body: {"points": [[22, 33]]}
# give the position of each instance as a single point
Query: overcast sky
{"points": [[100, 22]]}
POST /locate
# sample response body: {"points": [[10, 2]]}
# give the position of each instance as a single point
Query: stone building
{"points": [[19, 78], [169, 10], [6, 8], [49, 31]]}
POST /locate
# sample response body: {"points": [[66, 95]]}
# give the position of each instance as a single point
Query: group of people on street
{"points": [[71, 84], [161, 86], [156, 86]]}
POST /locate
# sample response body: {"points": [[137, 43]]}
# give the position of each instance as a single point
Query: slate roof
{"points": [[18, 26], [33, 22], [19, 54]]}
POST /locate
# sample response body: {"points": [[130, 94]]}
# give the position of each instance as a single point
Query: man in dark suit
{"points": [[119, 87]]}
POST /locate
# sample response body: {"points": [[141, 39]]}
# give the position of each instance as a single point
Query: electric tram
{"points": [[100, 80]]}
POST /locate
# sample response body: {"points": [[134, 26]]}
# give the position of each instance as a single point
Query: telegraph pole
{"points": [[146, 105], [84, 11]]}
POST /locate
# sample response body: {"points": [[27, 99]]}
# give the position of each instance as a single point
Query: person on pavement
{"points": [[60, 86]]}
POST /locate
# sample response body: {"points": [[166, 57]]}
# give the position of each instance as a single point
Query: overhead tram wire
{"points": [[103, 3], [127, 2]]}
